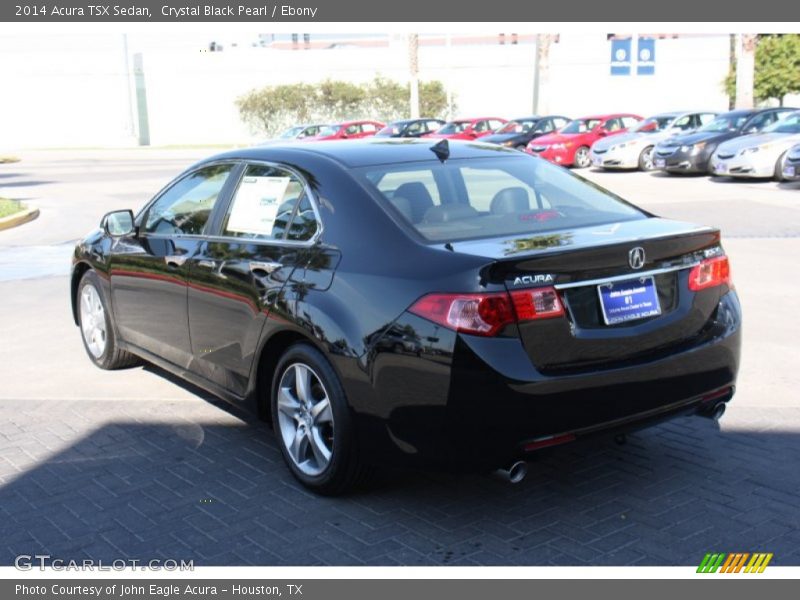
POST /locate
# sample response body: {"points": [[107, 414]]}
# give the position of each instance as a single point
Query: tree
{"points": [[432, 99], [777, 68], [272, 109]]}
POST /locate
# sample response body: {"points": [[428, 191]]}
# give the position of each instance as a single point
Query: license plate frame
{"points": [[629, 300], [659, 163]]}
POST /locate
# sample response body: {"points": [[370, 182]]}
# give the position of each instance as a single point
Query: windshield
{"points": [[580, 126], [329, 130], [789, 124], [517, 127], [726, 123], [454, 127], [291, 133], [491, 197], [653, 124]]}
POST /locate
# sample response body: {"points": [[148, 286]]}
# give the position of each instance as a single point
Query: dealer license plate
{"points": [[628, 300]]}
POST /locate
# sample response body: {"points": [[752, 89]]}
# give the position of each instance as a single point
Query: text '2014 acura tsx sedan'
{"points": [[449, 305]]}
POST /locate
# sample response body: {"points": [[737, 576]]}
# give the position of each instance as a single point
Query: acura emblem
{"points": [[636, 257]]}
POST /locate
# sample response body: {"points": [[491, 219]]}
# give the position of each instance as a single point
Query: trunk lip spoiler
{"points": [[631, 275]]}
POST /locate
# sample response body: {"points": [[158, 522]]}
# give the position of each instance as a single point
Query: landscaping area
{"points": [[9, 207]]}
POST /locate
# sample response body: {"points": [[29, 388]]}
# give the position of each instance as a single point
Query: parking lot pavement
{"points": [[135, 464]]}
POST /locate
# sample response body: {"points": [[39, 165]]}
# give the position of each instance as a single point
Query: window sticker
{"points": [[256, 204]]}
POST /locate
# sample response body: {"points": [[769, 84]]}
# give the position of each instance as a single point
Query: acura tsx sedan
{"points": [[412, 302]]}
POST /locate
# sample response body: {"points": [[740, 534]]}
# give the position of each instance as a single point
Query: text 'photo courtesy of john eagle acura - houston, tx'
{"points": [[429, 303]]}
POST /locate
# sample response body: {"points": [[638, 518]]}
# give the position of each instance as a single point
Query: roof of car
{"points": [[404, 121], [369, 151], [607, 116]]}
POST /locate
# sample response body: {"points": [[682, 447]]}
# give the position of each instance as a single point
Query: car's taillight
{"points": [[710, 273], [539, 303], [486, 314]]}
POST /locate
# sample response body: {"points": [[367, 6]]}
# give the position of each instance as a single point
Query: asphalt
{"points": [[135, 464]]}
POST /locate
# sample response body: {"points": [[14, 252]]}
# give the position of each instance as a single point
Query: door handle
{"points": [[175, 260], [266, 267]]}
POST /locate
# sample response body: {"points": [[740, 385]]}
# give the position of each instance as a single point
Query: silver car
{"points": [[634, 150], [761, 155]]}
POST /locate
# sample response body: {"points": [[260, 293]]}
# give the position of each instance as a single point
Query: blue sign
{"points": [[621, 56], [646, 56], [628, 300]]}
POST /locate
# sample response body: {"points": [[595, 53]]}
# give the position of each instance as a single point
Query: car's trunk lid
{"points": [[577, 261]]}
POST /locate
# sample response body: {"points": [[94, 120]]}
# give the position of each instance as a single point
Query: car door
{"points": [[238, 274], [148, 270]]}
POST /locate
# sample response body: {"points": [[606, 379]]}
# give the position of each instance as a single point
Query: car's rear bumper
{"points": [[487, 403]]}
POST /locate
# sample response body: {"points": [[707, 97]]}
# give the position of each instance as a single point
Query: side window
{"points": [[433, 125], [544, 126], [352, 129], [480, 126], [707, 118], [264, 204], [415, 128], [628, 122], [761, 121], [494, 124], [368, 127], [558, 122], [685, 122], [185, 207], [613, 125]]}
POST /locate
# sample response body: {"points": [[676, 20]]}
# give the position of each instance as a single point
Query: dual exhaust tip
{"points": [[514, 473], [517, 471]]}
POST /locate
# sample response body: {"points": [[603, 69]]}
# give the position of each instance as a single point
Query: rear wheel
{"points": [[313, 424], [582, 158], [97, 330], [646, 159]]}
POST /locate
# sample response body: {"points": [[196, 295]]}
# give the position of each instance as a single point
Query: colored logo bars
{"points": [[734, 562]]}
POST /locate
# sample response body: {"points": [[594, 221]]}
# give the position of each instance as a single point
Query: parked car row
{"points": [[741, 143]]}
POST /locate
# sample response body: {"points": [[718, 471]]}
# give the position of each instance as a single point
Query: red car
{"points": [[569, 146], [349, 130], [468, 129]]}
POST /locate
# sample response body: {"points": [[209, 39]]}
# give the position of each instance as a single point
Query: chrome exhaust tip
{"points": [[715, 412], [515, 473]]}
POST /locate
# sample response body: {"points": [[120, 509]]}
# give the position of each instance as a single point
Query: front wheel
{"points": [[97, 330], [778, 175], [646, 159], [313, 424], [582, 158]]}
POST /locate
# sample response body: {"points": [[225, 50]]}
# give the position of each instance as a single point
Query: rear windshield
{"points": [[489, 197]]}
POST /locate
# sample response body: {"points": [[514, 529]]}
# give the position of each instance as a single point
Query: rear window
{"points": [[477, 198]]}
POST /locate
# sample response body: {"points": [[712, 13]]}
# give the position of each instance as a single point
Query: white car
{"points": [[634, 150], [761, 155]]}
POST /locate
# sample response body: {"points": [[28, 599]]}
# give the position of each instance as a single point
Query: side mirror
{"points": [[119, 223]]}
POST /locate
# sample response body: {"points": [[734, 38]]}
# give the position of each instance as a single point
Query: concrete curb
{"points": [[29, 214]]}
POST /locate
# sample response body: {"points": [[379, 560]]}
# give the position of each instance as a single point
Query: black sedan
{"points": [[410, 128], [518, 132], [692, 152], [791, 166], [449, 304]]}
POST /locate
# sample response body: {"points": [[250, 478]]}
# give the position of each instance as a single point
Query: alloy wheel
{"points": [[582, 157], [93, 321], [305, 419]]}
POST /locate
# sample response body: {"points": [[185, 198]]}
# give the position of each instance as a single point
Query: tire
{"points": [[97, 330], [646, 159], [316, 438], [778, 174], [582, 158]]}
